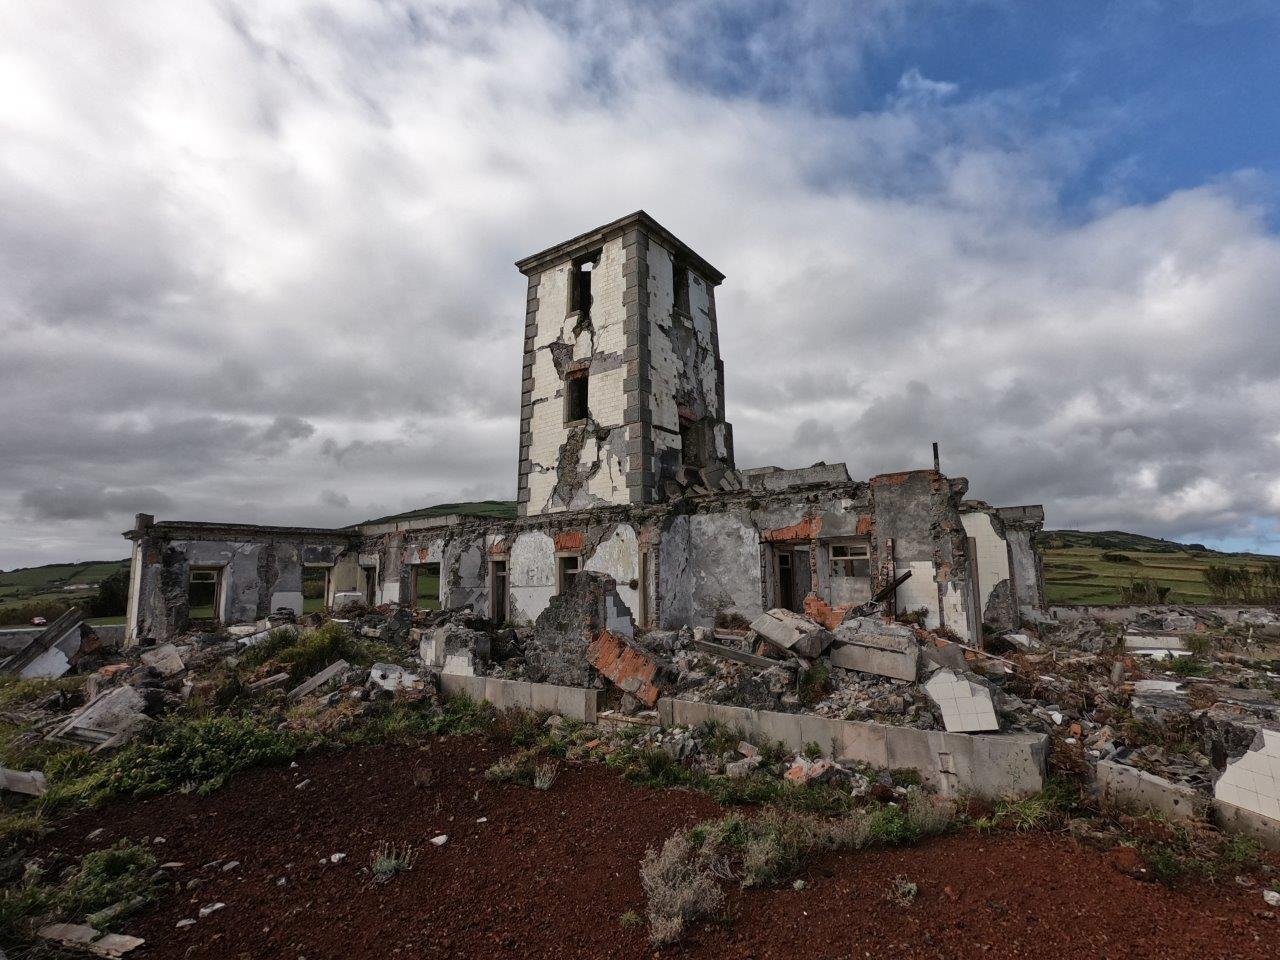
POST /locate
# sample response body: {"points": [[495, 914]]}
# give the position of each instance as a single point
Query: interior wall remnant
{"points": [[991, 561], [1021, 524], [618, 555], [919, 511]]}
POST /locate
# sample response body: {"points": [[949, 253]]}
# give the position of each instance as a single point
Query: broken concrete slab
{"points": [[165, 660], [1128, 787], [793, 632], [327, 675], [626, 666], [1252, 783], [75, 935], [109, 718], [347, 598], [870, 645], [732, 653], [31, 783], [113, 945], [49, 653], [267, 682], [1154, 646], [393, 678], [967, 706]]}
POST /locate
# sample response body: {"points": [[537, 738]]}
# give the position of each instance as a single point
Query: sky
{"points": [[256, 258]]}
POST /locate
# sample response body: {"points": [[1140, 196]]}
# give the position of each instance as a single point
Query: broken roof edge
{"points": [[171, 527], [598, 235]]}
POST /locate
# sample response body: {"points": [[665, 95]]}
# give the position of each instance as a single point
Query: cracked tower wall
{"points": [[622, 382]]}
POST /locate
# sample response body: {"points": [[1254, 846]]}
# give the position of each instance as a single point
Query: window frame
{"points": [[853, 554]]}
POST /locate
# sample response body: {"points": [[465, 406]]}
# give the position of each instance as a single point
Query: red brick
{"points": [[626, 667]]}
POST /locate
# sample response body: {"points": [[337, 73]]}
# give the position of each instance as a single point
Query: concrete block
{"points": [[871, 658], [966, 706], [1125, 786], [459, 664], [792, 632], [574, 703], [1154, 646], [165, 660]]}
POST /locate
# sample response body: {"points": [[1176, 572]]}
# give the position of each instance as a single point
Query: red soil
{"points": [[550, 874]]}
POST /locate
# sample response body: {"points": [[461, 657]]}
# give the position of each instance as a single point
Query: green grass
{"points": [[1075, 573]]}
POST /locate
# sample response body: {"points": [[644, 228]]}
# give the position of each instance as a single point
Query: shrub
{"points": [[544, 775], [814, 683], [102, 878], [106, 877], [1112, 557], [517, 767], [679, 886], [1189, 667], [927, 816]]}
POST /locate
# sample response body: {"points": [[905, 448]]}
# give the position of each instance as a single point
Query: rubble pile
{"points": [[1178, 696]]}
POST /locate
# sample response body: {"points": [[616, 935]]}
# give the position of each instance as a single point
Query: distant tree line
{"points": [[1244, 584]]}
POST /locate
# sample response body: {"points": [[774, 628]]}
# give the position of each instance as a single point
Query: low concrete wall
{"points": [[1129, 787], [990, 766], [574, 703], [1235, 819]]}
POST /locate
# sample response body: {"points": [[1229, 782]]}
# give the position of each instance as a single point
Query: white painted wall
{"points": [[531, 571], [619, 557], [993, 555]]}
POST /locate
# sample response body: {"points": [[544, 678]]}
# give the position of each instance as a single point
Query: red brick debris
{"points": [[629, 669]]}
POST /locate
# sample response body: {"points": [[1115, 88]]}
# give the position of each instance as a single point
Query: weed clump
{"points": [[680, 887], [390, 859]]}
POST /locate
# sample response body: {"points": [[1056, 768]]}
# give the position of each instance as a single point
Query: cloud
{"points": [[332, 498], [255, 262], [86, 502]]}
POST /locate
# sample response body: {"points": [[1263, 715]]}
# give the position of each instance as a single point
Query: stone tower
{"points": [[622, 399]]}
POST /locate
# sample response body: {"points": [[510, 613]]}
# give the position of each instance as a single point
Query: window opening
{"points": [[202, 594], [575, 397], [568, 567], [850, 559], [426, 589]]}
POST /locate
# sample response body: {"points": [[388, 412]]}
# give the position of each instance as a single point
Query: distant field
{"points": [[1075, 571], [18, 587]]}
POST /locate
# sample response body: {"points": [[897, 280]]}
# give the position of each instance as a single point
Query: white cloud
{"points": [[258, 258]]}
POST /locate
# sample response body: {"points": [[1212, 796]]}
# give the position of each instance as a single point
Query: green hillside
{"points": [[499, 509], [45, 590], [1101, 567]]}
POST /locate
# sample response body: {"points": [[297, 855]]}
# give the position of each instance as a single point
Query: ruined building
{"points": [[626, 467]]}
